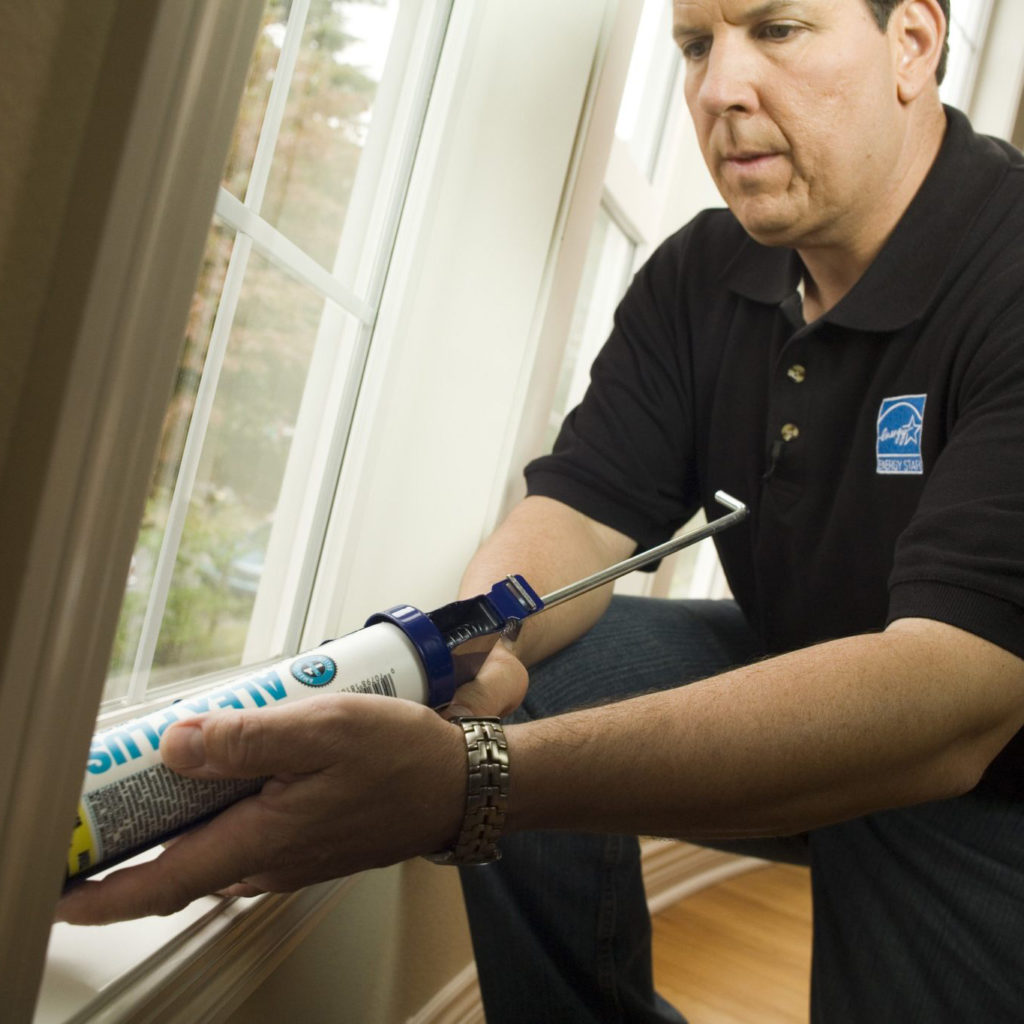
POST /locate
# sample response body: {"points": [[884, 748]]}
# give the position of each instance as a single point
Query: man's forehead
{"points": [[745, 11]]}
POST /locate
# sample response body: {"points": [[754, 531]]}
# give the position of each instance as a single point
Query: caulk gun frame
{"points": [[738, 512]]}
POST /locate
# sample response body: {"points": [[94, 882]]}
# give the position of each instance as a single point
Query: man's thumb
{"points": [[234, 745], [497, 690]]}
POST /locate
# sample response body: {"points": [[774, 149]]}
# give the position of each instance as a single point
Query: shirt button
{"points": [[797, 373], [790, 432]]}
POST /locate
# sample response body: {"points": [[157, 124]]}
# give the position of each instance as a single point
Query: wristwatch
{"points": [[486, 794]]}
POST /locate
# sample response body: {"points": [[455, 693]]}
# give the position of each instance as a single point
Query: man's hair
{"points": [[882, 10]]}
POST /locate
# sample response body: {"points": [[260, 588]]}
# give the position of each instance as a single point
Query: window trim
{"points": [[145, 180], [208, 960]]}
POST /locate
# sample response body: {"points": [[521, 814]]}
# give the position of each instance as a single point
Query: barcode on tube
{"points": [[383, 684]]}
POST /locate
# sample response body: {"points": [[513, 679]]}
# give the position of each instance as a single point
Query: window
{"points": [[647, 101], [625, 229], [610, 259], [278, 335], [652, 139]]}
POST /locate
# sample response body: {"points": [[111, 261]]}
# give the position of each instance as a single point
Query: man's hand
{"points": [[356, 782], [497, 689]]}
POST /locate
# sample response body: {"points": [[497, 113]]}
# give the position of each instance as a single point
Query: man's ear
{"points": [[917, 29]]}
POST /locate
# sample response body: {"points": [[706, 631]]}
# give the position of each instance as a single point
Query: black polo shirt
{"points": [[880, 449]]}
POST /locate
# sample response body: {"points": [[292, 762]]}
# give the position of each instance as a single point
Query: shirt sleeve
{"points": [[961, 558]]}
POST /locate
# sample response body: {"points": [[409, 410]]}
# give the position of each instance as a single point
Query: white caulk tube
{"points": [[130, 801]]}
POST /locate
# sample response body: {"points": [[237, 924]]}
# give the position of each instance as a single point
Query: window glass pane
{"points": [[220, 559], [228, 526], [610, 256], [267, 382], [205, 302], [254, 100], [327, 121], [650, 84]]}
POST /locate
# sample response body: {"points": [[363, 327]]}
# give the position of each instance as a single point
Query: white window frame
{"points": [[354, 286]]}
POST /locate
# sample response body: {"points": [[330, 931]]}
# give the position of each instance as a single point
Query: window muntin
{"points": [[647, 97], [280, 327], [621, 235]]}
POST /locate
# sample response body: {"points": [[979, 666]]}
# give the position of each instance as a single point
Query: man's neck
{"points": [[829, 274]]}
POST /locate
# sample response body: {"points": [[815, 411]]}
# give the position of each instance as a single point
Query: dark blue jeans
{"points": [[919, 913]]}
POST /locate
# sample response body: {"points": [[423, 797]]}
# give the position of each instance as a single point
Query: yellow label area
{"points": [[82, 852]]}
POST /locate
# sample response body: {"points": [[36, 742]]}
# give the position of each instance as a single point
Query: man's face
{"points": [[796, 109]]}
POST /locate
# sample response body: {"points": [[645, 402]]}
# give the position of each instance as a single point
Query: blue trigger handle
{"points": [[434, 635]]}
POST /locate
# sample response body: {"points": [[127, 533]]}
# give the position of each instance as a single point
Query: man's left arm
{"points": [[844, 728], [912, 714]]}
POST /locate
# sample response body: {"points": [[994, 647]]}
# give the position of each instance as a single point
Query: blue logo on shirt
{"points": [[900, 421]]}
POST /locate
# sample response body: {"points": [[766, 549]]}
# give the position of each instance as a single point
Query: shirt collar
{"points": [[899, 285]]}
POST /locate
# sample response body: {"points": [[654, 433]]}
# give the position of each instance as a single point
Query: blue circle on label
{"points": [[314, 669]]}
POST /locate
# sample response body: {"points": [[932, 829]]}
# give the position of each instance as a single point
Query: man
{"points": [[844, 351]]}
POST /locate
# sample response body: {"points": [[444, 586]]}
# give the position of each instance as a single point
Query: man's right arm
{"points": [[550, 544]]}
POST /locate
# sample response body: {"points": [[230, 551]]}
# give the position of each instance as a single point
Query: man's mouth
{"points": [[750, 167], [748, 158]]}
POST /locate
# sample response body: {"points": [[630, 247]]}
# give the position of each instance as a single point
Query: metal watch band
{"points": [[486, 794]]}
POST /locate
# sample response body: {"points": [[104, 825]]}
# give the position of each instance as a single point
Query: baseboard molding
{"points": [[672, 871], [457, 1003]]}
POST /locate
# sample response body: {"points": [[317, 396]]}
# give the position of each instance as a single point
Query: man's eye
{"points": [[695, 49], [777, 31]]}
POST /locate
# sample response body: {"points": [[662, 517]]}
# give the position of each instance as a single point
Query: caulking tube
{"points": [[130, 801]]}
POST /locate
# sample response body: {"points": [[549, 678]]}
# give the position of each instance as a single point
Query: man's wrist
{"points": [[487, 785]]}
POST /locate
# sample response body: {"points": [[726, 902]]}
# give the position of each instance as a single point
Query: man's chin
{"points": [[774, 233], [769, 225]]}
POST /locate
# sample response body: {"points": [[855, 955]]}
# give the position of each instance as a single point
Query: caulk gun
{"points": [[130, 801]]}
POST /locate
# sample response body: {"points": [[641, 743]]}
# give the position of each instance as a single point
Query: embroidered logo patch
{"points": [[899, 435]]}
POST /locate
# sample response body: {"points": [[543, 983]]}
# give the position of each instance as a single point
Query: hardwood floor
{"points": [[739, 952]]}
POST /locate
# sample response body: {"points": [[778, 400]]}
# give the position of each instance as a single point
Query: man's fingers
{"points": [[206, 860], [241, 889], [497, 690], [250, 744]]}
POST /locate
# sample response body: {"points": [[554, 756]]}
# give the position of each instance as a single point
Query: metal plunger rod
{"points": [[738, 513]]}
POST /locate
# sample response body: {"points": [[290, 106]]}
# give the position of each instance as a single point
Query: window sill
{"points": [[196, 965]]}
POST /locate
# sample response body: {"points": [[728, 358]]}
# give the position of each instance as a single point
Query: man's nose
{"points": [[728, 80]]}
